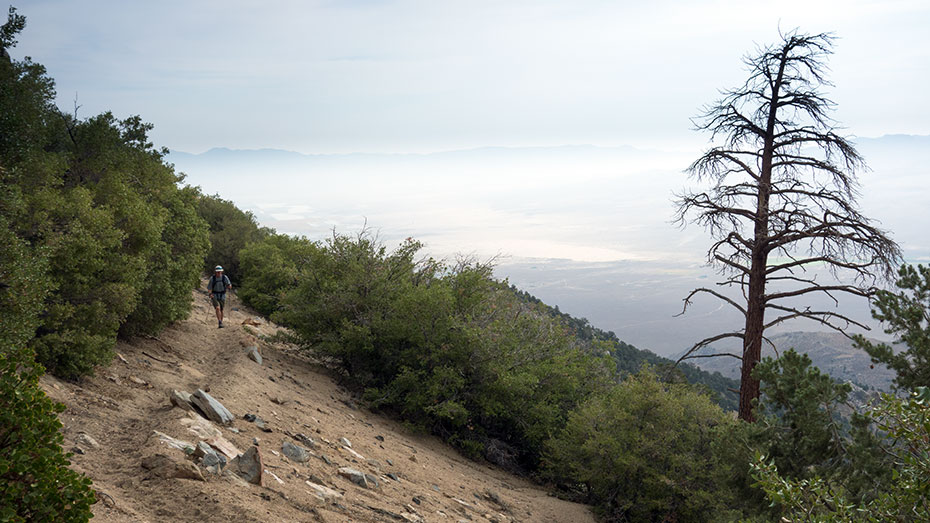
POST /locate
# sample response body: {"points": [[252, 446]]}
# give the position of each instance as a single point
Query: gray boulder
{"points": [[359, 478], [211, 408], [249, 466], [180, 399], [295, 452], [254, 355]]}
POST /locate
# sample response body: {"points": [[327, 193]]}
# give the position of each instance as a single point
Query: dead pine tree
{"points": [[779, 199]]}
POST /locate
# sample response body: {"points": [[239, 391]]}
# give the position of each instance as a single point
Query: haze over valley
{"points": [[586, 228]]}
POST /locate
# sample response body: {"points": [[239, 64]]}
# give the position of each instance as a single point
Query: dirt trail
{"points": [[123, 404]]}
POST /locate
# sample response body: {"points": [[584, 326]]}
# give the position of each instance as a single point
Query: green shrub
{"points": [[35, 483], [231, 230], [449, 349], [644, 451]]}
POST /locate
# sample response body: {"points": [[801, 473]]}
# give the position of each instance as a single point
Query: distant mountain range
{"points": [[831, 352]]}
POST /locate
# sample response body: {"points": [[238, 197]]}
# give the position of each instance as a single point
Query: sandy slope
{"points": [[123, 404]]}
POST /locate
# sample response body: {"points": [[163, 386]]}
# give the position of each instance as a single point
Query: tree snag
{"points": [[781, 199]]}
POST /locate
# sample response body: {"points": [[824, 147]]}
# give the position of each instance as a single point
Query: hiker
{"points": [[219, 283]]}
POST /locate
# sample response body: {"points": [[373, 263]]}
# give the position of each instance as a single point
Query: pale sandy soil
{"points": [[123, 404]]}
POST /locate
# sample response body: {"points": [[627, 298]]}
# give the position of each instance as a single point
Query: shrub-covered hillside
{"points": [[631, 359]]}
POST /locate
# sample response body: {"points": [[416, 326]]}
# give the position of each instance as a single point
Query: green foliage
{"points": [[631, 359], [122, 243], [35, 483], [906, 315], [449, 349], [645, 451], [798, 414], [272, 267], [905, 498], [231, 230]]}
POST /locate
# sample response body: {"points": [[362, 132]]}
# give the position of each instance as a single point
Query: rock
{"points": [[295, 452], [185, 446], [249, 466], [372, 480], [326, 459], [223, 446], [214, 462], [77, 450], [86, 441], [323, 492], [306, 440], [273, 475], [389, 462], [180, 399], [345, 442], [373, 463], [201, 428], [162, 466], [393, 476], [353, 453], [254, 355], [213, 409], [379, 438], [121, 358], [202, 449], [138, 381], [357, 477]]}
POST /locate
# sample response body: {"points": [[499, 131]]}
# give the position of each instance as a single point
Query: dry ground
{"points": [[123, 404]]}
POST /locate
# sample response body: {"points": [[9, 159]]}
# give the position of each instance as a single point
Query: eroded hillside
{"points": [[114, 420]]}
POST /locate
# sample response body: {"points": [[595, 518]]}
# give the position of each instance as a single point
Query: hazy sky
{"points": [[381, 75]]}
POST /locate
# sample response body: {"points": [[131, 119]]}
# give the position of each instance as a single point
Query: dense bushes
{"points": [[231, 230], [35, 483], [122, 243], [645, 451], [447, 347]]}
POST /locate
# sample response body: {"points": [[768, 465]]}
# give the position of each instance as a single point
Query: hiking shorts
{"points": [[218, 299]]}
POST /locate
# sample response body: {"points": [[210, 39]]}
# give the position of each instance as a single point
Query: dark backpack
{"points": [[222, 283]]}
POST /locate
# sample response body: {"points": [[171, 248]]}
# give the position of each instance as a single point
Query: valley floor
{"points": [[123, 406]]}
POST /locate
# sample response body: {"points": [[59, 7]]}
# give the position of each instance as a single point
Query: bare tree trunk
{"points": [[752, 342]]}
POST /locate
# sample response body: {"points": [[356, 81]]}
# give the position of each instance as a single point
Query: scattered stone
{"points": [[295, 452], [77, 450], [223, 445], [345, 442], [249, 466], [256, 441], [234, 430], [162, 466], [272, 474], [416, 500], [379, 438], [121, 358], [180, 399], [251, 321], [393, 476], [213, 409], [413, 458], [412, 517], [316, 479], [306, 440], [138, 381], [202, 449], [389, 462], [213, 461], [254, 355], [374, 463], [372, 480], [326, 459], [201, 427], [85, 440], [358, 477], [114, 379], [323, 492], [182, 445], [277, 400], [355, 454], [436, 488]]}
